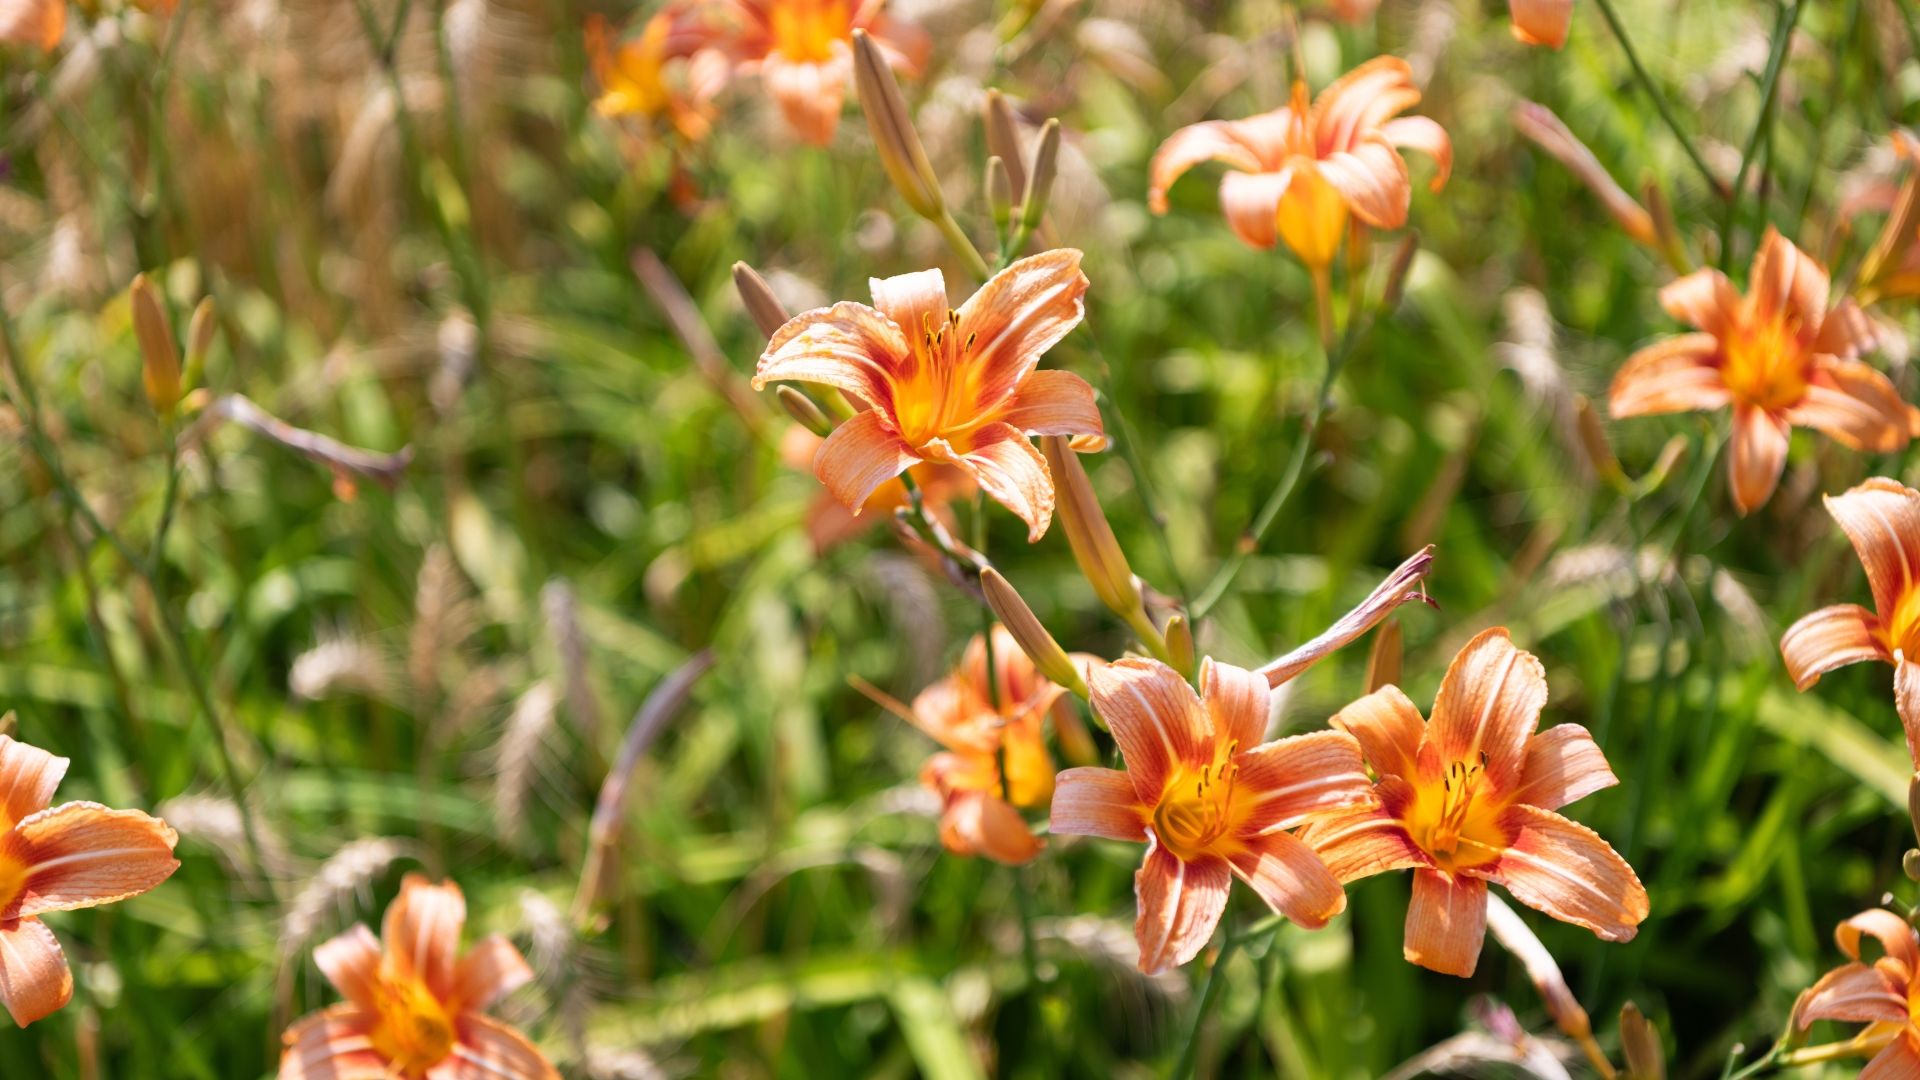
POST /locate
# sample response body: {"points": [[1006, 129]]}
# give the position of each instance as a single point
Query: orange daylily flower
{"points": [[414, 1009], [672, 69], [829, 523], [1778, 356], [1885, 994], [979, 731], [40, 23], [77, 855], [803, 52], [957, 387], [1469, 797], [1541, 22], [1210, 800], [1882, 518], [1305, 168]]}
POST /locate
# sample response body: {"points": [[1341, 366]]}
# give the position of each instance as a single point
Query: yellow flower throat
{"points": [[1764, 363], [1197, 808], [414, 1031], [804, 30], [938, 398]]}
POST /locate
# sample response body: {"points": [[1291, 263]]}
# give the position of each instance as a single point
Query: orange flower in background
{"points": [[803, 52], [1468, 798], [672, 69], [1303, 169], [955, 387], [979, 816], [1541, 22], [1885, 994], [1882, 518], [79, 855], [40, 23], [1211, 801], [829, 523], [414, 1009], [1778, 356]]}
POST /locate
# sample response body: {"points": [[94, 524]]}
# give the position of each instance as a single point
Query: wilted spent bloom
{"points": [[1210, 800], [1884, 994], [803, 53], [1303, 168], [1468, 798], [78, 855], [414, 1008], [1882, 519], [1537, 122], [1778, 356], [942, 385], [673, 69], [39, 23]]}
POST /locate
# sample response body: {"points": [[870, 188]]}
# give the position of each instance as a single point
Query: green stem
{"points": [[962, 246], [1216, 982], [1660, 101], [1776, 59], [1123, 437]]}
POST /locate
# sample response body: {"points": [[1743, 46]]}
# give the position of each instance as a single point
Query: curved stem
{"points": [[1776, 58], [1216, 982], [1660, 102]]}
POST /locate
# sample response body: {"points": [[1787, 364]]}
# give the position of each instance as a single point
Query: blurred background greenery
{"points": [[438, 675]]}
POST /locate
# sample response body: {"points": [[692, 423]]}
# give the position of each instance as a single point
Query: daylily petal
{"points": [[1846, 331], [1237, 702], [1906, 700], [1007, 466], [1373, 180], [977, 823], [1900, 1060], [914, 302], [39, 23], [1284, 783], [1268, 135], [34, 978], [1854, 993], [1028, 766], [1385, 599], [1427, 136], [849, 346], [1155, 717], [906, 45], [1389, 728], [1674, 374], [489, 1050], [1784, 278], [1053, 403], [1250, 202], [28, 777], [1489, 703], [1016, 317], [1363, 843], [331, 1044], [1882, 519], [1446, 922], [859, 456], [810, 93], [1092, 801], [1563, 868], [1541, 22], [1829, 638], [956, 716], [422, 932], [1360, 101], [1213, 140], [1892, 931], [351, 962], [83, 854], [1855, 405], [1290, 878], [1180, 903], [1757, 456], [491, 969], [1563, 765], [1705, 300]]}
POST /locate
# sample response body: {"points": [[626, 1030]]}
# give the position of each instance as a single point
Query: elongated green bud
{"points": [[802, 408], [766, 310], [160, 358], [1033, 206], [1179, 635], [1383, 663], [1640, 1045], [1018, 618], [1003, 139], [999, 193], [893, 134], [199, 340]]}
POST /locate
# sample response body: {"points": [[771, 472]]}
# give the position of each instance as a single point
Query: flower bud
{"points": [[1910, 864], [1594, 439], [1896, 236], [1640, 1045], [1397, 273], [893, 134], [1666, 231], [1913, 802], [1003, 140], [199, 340], [802, 408], [1014, 614], [160, 368], [1383, 663], [1033, 206], [1538, 123], [1088, 533], [768, 313], [1179, 636], [999, 193], [1519, 939]]}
